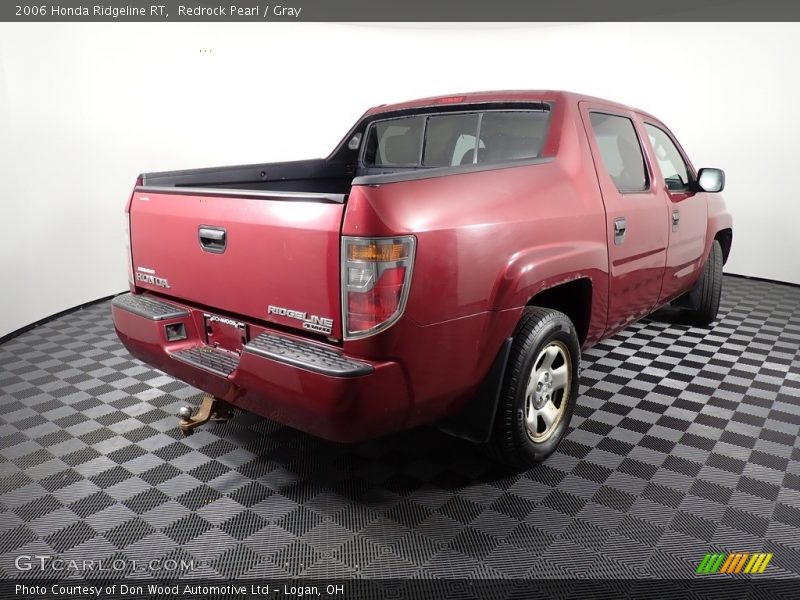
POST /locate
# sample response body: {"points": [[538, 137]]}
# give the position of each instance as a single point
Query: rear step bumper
{"points": [[308, 385], [306, 355], [148, 307]]}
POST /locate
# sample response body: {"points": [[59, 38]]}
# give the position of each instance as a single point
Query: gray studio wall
{"points": [[85, 107]]}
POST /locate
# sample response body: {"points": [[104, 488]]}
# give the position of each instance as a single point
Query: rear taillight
{"points": [[376, 274]]}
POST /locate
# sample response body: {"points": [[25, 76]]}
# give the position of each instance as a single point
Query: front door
{"points": [[687, 210], [636, 213]]}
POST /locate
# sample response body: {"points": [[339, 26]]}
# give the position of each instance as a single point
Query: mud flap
{"points": [[475, 421]]}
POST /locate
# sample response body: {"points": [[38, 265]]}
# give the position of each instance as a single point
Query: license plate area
{"points": [[225, 333]]}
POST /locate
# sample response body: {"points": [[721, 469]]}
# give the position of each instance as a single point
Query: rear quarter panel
{"points": [[489, 241]]}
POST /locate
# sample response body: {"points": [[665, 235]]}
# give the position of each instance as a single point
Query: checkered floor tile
{"points": [[684, 441]]}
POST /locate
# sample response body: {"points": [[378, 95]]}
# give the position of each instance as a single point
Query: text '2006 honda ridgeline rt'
{"points": [[445, 264]]}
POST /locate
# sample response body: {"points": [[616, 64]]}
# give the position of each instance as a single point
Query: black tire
{"points": [[704, 296], [539, 331]]}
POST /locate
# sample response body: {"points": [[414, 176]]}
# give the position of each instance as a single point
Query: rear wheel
{"points": [[540, 389], [704, 296]]}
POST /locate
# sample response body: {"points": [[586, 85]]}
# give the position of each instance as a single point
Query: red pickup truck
{"points": [[445, 264]]}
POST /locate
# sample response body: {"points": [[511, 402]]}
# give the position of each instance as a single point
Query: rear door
{"points": [[636, 213], [261, 255], [687, 208]]}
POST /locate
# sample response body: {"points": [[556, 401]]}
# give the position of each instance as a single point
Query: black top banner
{"points": [[459, 11]]}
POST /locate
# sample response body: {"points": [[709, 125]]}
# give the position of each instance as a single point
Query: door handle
{"points": [[676, 219], [620, 228], [213, 239]]}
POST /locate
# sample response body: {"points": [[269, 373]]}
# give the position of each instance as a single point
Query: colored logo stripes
{"points": [[735, 562]]}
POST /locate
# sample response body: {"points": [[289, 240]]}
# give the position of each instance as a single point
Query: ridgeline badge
{"points": [[310, 322]]}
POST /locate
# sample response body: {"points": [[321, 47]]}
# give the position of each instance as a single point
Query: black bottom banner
{"points": [[401, 589]]}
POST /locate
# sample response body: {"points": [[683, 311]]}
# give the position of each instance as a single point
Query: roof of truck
{"points": [[495, 96]]}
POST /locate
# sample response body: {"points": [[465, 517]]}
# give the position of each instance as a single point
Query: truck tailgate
{"points": [[242, 253]]}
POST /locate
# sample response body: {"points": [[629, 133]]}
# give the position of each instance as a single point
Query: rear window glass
{"points": [[396, 143], [512, 135], [447, 140]]}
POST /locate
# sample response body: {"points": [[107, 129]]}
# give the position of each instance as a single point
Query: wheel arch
{"points": [[573, 298], [571, 278]]}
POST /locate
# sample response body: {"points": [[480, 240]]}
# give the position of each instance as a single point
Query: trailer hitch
{"points": [[211, 409]]}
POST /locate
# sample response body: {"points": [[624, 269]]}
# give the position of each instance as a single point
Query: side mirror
{"points": [[711, 180]]}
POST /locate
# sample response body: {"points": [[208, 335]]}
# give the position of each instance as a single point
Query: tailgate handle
{"points": [[213, 239]]}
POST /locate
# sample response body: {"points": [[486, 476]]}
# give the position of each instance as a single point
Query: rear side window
{"points": [[620, 151], [447, 140]]}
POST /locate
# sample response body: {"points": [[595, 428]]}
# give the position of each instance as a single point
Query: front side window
{"points": [[620, 151], [670, 161], [447, 140]]}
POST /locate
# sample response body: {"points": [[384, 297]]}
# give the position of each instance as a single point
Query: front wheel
{"points": [[540, 389]]}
